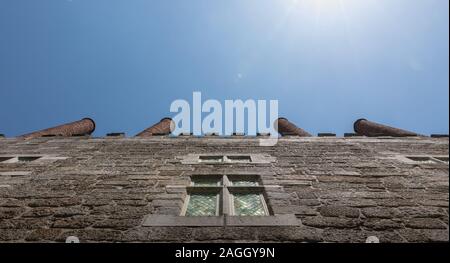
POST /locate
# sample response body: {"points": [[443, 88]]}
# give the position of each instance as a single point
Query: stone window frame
{"points": [[171, 220], [254, 158], [435, 159], [3, 159], [13, 178], [216, 159], [226, 192], [202, 190], [37, 158], [439, 158]]}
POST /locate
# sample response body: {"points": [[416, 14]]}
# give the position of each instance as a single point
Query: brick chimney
{"points": [[163, 127], [82, 127], [288, 128], [373, 129]]}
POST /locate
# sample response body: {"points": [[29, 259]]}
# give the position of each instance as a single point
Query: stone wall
{"points": [[339, 189]]}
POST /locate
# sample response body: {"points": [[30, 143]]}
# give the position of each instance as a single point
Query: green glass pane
{"points": [[244, 183], [248, 205], [27, 158], [211, 159], [239, 159], [205, 181], [202, 205]]}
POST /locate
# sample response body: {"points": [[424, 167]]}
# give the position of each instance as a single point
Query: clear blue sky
{"points": [[122, 62]]}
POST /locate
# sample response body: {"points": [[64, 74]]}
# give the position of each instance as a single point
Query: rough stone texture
{"points": [[339, 189]]}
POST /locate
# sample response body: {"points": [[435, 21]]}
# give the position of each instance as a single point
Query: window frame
{"points": [[28, 159], [232, 158], [5, 159], [440, 159], [225, 193], [188, 199], [225, 158], [426, 159], [263, 203], [211, 159], [23, 159]]}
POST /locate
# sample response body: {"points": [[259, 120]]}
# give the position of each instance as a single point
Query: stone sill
{"points": [[202, 221]]}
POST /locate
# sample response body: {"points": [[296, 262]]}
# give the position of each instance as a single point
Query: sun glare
{"points": [[317, 5]]}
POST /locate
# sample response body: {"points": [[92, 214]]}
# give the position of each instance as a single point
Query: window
{"points": [[239, 158], [19, 159], [428, 159], [421, 159], [27, 158], [215, 195], [2, 159], [205, 204], [225, 159], [210, 159], [248, 205], [442, 159]]}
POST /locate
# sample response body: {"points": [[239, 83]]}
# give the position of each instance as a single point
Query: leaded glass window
{"points": [[211, 158], [236, 195], [425, 160], [27, 158], [421, 159], [2, 159], [202, 205], [214, 159], [239, 158], [243, 182], [248, 205], [206, 181]]}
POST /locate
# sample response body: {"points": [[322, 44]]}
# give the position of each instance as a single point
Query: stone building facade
{"points": [[138, 189]]}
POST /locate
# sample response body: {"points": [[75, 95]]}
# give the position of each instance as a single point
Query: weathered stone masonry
{"points": [[339, 189]]}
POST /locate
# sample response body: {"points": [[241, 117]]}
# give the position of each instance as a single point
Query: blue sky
{"points": [[122, 62]]}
